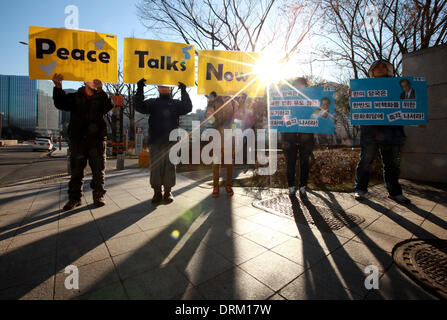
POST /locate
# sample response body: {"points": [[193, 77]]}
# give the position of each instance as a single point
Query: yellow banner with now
{"points": [[229, 73], [77, 55], [159, 62]]}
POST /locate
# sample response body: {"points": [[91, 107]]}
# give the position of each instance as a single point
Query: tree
{"points": [[128, 90], [244, 25], [357, 32]]}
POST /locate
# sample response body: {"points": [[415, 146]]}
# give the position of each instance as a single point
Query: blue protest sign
{"points": [[389, 101], [309, 109]]}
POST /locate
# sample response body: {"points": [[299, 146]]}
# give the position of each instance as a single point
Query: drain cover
{"points": [[426, 262], [304, 212]]}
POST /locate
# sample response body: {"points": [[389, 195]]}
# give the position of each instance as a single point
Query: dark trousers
{"points": [[389, 154], [81, 151], [162, 169], [292, 144]]}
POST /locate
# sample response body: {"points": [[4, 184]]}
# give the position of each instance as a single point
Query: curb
{"points": [[34, 180]]}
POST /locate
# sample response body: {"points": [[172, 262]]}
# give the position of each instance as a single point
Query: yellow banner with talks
{"points": [[159, 62], [77, 55], [229, 73]]}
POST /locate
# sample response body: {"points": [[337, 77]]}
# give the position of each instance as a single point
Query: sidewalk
{"points": [[204, 248]]}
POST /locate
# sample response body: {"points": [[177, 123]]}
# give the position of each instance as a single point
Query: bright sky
{"points": [[109, 16]]}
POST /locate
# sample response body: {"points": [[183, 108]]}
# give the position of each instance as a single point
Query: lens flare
{"points": [[175, 234]]}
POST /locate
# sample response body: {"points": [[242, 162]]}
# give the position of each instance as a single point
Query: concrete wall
{"points": [[424, 156]]}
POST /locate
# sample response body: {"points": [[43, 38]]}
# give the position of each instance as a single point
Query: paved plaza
{"points": [[199, 247]]}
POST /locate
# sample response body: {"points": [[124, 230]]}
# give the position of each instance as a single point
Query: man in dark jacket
{"points": [[164, 115], [387, 140], [294, 143], [87, 132]]}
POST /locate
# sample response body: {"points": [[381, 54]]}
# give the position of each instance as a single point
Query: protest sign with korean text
{"points": [[229, 73], [77, 55], [389, 101], [159, 62], [309, 109]]}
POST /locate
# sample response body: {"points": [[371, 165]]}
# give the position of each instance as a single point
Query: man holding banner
{"points": [[292, 144], [164, 115], [87, 131], [387, 139]]}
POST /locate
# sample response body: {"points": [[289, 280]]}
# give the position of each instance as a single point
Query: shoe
{"points": [[157, 197], [98, 200], [359, 195], [215, 193], [400, 199], [303, 193], [292, 191], [229, 191], [168, 197], [71, 204]]}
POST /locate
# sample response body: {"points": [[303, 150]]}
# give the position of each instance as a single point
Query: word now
{"points": [[48, 46], [228, 76], [159, 63]]}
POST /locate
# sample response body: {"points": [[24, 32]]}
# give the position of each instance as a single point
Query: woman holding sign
{"points": [[384, 139], [221, 111]]}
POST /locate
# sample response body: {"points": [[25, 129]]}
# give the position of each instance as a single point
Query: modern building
{"points": [[27, 104]]}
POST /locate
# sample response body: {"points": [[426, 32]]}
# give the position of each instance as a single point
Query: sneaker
{"points": [[98, 200], [71, 204], [303, 192], [292, 191], [229, 191], [168, 197], [157, 197], [400, 199], [359, 195], [215, 193]]}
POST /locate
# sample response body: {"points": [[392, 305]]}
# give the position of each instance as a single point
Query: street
{"points": [[19, 163]]}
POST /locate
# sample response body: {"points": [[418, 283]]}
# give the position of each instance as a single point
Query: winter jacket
{"points": [[86, 114], [394, 135], [223, 112], [163, 114]]}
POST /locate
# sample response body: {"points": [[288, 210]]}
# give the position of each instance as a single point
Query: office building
{"points": [[28, 104]]}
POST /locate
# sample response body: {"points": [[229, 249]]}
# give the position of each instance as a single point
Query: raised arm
{"points": [[106, 102], [184, 106], [62, 101], [141, 105]]}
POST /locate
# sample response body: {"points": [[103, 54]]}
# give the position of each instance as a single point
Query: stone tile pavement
{"points": [[203, 248]]}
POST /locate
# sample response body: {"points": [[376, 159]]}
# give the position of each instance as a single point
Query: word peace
{"points": [[47, 46]]}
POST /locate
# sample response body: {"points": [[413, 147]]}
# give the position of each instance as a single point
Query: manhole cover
{"points": [[426, 262], [323, 217]]}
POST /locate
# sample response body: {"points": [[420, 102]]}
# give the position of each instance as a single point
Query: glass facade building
{"points": [[27, 104]]}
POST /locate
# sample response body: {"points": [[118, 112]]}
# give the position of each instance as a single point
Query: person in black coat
{"points": [[164, 113], [87, 132], [295, 143], [386, 139]]}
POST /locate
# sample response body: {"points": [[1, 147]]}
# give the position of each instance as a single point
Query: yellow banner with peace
{"points": [[159, 62], [229, 73], [77, 55]]}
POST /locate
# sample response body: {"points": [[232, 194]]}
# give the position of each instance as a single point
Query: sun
{"points": [[271, 68]]}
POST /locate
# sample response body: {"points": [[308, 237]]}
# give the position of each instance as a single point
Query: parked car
{"points": [[42, 144]]}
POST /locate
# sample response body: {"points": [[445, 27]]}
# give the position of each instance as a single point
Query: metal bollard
{"points": [[120, 161]]}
